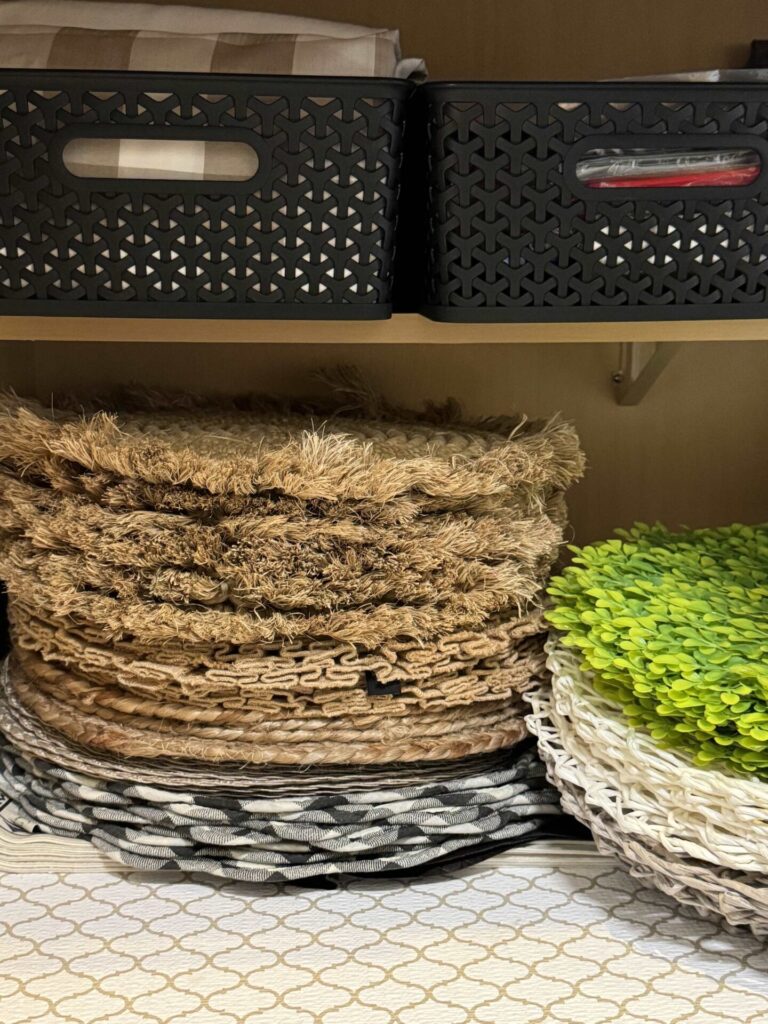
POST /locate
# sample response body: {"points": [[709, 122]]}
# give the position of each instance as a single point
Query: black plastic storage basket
{"points": [[514, 235], [310, 234]]}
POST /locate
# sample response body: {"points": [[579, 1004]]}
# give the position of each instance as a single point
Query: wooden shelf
{"points": [[402, 329]]}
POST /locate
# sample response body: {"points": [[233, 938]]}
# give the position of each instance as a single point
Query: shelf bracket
{"points": [[640, 365]]}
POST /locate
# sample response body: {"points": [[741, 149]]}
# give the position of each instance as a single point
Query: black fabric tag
{"points": [[376, 689]]}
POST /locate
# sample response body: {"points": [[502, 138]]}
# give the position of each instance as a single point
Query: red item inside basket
{"points": [[685, 179]]}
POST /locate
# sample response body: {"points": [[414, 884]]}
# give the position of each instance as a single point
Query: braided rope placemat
{"points": [[421, 737], [114, 704], [124, 496], [30, 736]]}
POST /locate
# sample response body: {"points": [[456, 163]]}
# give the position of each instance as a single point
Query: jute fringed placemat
{"points": [[279, 843], [468, 589], [527, 532], [353, 447], [46, 581], [331, 600], [697, 833], [316, 678]]}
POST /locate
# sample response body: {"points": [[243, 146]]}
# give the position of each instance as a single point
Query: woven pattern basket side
{"points": [[310, 235], [515, 235]]}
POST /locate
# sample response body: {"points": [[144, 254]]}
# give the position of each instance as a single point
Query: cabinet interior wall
{"points": [[550, 39]]}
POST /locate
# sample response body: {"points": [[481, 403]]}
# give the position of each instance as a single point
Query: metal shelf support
{"points": [[640, 366]]}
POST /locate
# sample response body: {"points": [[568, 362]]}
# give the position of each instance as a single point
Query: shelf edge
{"points": [[402, 329]]}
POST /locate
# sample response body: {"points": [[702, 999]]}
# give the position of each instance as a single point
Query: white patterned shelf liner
{"points": [[550, 933]]}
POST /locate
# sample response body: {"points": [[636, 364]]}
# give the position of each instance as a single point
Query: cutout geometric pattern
{"points": [[513, 232], [313, 228]]}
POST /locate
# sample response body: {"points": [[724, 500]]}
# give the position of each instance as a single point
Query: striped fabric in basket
{"points": [[340, 51]]}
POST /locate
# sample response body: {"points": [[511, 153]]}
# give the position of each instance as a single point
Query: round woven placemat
{"points": [[295, 449], [46, 581], [124, 496], [741, 898], [656, 795], [266, 564], [281, 850], [328, 679], [153, 539], [30, 736], [453, 733], [115, 704], [337, 582], [463, 799], [345, 833]]}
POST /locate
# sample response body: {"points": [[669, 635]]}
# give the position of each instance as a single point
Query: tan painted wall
{"points": [[563, 39]]}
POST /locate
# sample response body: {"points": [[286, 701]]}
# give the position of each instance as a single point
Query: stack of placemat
{"points": [[655, 727], [308, 600]]}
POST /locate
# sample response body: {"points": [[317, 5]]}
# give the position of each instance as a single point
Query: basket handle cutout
{"points": [[668, 168], [663, 167], [159, 159]]}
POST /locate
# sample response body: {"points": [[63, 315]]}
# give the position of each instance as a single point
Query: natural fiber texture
{"points": [[336, 582], [328, 679], [297, 844], [124, 496], [419, 737], [677, 826], [675, 629], [45, 582], [114, 704], [312, 451], [657, 795], [741, 898], [30, 736], [261, 565], [167, 537]]}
